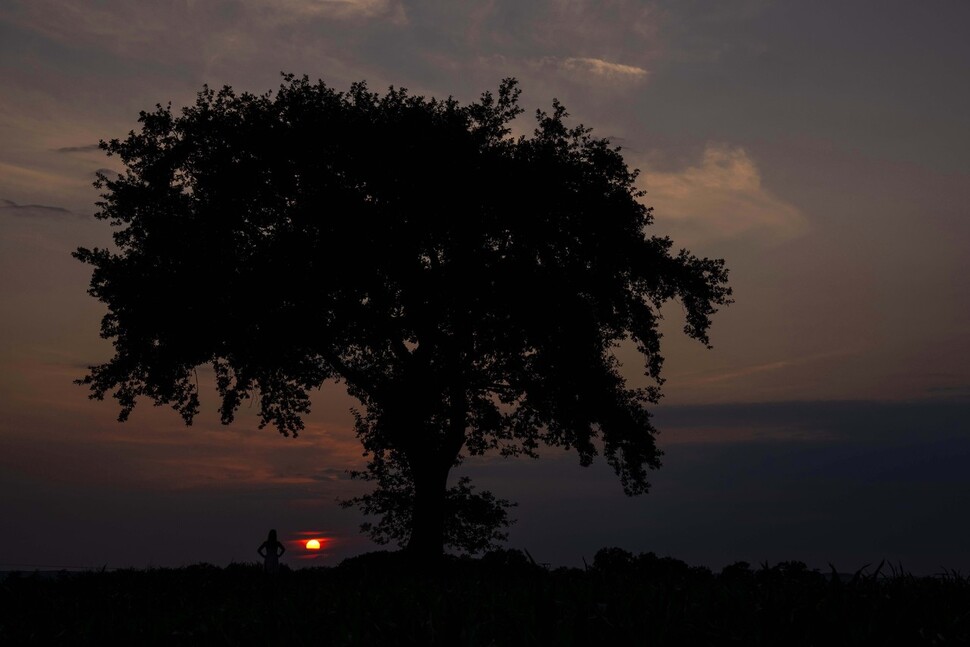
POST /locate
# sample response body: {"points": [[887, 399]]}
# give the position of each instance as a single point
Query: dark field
{"points": [[501, 599]]}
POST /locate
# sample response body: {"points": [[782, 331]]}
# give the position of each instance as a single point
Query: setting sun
{"points": [[311, 544]]}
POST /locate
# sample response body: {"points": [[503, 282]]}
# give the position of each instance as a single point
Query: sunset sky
{"points": [[821, 148]]}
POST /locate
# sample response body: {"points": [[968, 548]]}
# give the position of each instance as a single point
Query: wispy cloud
{"points": [[78, 149], [335, 9], [721, 197], [554, 73], [23, 176], [45, 410], [33, 210], [186, 31], [856, 421], [553, 46], [620, 22], [27, 187], [599, 68], [743, 372]]}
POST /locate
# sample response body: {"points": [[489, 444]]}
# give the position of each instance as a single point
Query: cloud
{"points": [[957, 390], [188, 30], [690, 381], [857, 422], [550, 45], [625, 23], [78, 149], [32, 178], [597, 68], [33, 210], [63, 180], [330, 474], [579, 73], [334, 9], [721, 197]]}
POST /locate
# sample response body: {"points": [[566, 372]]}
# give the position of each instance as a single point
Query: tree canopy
{"points": [[470, 288]]}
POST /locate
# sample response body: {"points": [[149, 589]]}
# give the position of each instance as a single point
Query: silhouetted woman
{"points": [[268, 551]]}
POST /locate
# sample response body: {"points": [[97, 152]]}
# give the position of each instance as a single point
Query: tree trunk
{"points": [[430, 465], [428, 520]]}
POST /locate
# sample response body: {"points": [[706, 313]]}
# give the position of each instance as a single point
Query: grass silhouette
{"points": [[503, 598]]}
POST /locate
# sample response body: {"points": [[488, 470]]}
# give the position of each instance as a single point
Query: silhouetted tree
{"points": [[468, 287], [474, 522]]}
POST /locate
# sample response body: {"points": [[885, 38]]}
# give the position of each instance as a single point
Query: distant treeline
{"points": [[503, 598]]}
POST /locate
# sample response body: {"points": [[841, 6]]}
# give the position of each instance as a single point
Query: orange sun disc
{"points": [[313, 544]]}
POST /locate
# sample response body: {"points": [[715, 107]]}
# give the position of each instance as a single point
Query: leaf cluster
{"points": [[475, 521]]}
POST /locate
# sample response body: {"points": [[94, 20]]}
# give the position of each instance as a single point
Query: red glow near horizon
{"points": [[311, 544]]}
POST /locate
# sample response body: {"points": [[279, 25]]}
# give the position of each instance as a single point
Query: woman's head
{"points": [[272, 535]]}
